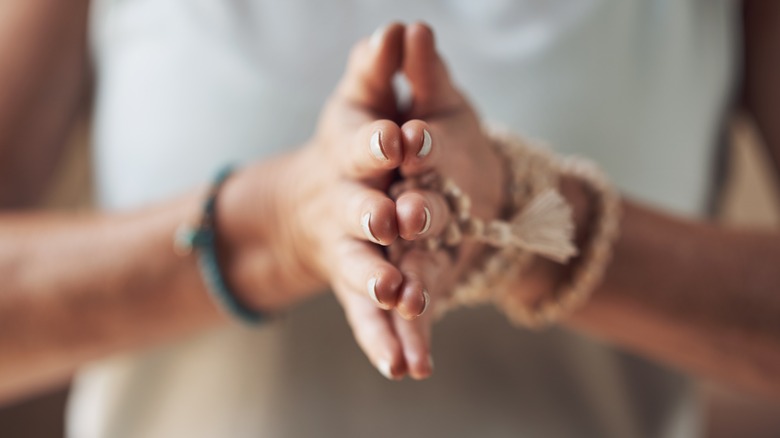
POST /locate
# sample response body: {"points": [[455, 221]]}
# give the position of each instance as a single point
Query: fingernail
{"points": [[365, 222], [376, 146], [376, 37], [426, 145], [372, 292], [426, 301], [385, 368], [427, 224]]}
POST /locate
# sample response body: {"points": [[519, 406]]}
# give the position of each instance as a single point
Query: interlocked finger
{"points": [[361, 268], [375, 334], [424, 273], [421, 214], [369, 214]]}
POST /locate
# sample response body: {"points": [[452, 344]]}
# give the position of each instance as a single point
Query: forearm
{"points": [[698, 296], [695, 295], [78, 288]]}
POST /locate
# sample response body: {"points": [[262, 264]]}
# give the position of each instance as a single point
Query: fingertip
{"points": [[383, 287], [379, 220], [418, 146], [389, 35], [389, 358], [413, 300], [371, 66], [385, 145], [420, 367], [432, 87], [376, 39], [421, 214], [414, 336], [386, 46], [413, 216], [422, 33], [420, 46], [375, 335], [392, 361], [392, 368]]}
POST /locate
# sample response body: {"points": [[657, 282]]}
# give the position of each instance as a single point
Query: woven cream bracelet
{"points": [[538, 222]]}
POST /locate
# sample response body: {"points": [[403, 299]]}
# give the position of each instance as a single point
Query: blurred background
{"points": [[749, 199]]}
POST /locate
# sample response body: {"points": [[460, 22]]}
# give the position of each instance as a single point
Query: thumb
{"points": [[373, 62], [431, 86]]}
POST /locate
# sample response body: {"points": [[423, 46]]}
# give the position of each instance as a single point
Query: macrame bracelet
{"points": [[595, 257], [203, 238], [537, 222]]}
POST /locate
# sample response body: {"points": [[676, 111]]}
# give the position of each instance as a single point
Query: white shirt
{"points": [[185, 86]]}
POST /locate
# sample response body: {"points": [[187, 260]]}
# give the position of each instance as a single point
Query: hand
{"points": [[321, 213], [443, 125], [305, 209], [462, 153], [452, 143]]}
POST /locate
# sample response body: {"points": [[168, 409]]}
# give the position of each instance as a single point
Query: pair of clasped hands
{"points": [[325, 212]]}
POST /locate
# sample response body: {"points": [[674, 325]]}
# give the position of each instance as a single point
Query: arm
{"points": [[691, 294], [78, 288], [700, 297], [44, 79], [720, 315]]}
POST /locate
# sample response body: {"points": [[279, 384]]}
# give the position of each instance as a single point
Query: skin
{"points": [[717, 316], [75, 287], [52, 306]]}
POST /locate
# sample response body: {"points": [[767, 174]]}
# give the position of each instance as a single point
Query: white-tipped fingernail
{"points": [[426, 145], [426, 301], [365, 222], [427, 224], [372, 293], [376, 146], [376, 37], [372, 290], [385, 368]]}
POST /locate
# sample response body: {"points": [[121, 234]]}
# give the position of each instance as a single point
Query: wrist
{"points": [[259, 266], [201, 237], [596, 211], [553, 251], [545, 276]]}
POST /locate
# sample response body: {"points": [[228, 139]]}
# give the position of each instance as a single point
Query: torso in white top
{"points": [[185, 86]]}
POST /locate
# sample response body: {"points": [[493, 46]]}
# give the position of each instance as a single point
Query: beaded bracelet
{"points": [[203, 239], [538, 222]]}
